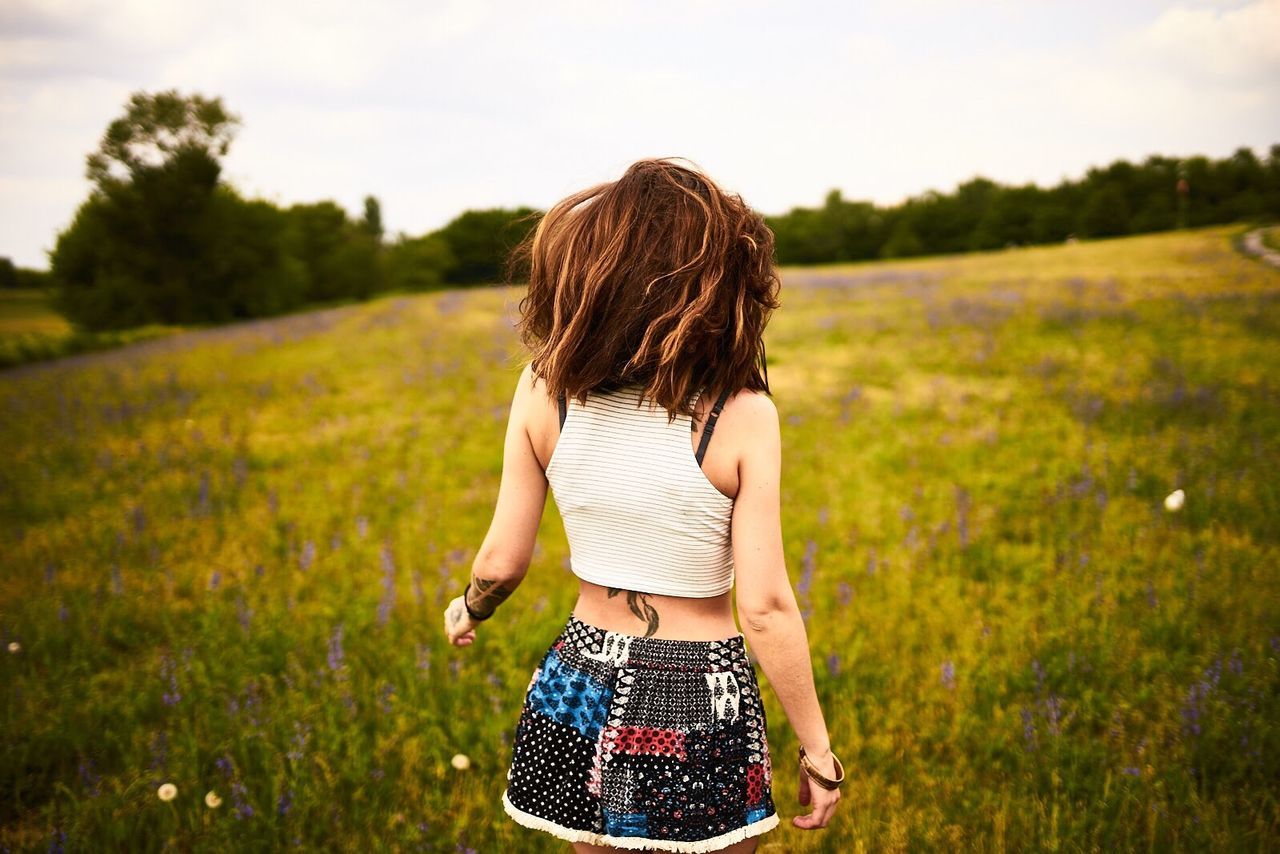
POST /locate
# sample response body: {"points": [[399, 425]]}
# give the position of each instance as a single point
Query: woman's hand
{"points": [[823, 800], [458, 625]]}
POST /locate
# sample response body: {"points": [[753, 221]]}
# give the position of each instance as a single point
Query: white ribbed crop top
{"points": [[638, 511]]}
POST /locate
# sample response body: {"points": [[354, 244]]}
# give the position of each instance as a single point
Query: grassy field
{"points": [[226, 554], [1271, 237], [31, 330]]}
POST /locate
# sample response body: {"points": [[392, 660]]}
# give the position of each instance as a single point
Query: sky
{"points": [[437, 107]]}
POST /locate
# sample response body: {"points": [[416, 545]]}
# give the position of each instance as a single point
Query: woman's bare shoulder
{"points": [[751, 418], [752, 408]]}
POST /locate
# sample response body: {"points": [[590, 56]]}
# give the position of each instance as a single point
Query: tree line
{"points": [[163, 239], [1159, 194]]}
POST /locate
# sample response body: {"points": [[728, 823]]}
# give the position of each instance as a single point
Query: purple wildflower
{"points": [[424, 657], [308, 555], [1028, 728], [833, 664], [159, 752], [243, 612], [301, 733], [89, 777], [215, 579], [962, 516], [845, 592], [1132, 771], [1191, 709], [362, 525], [335, 648], [243, 808], [204, 493], [1053, 711], [806, 575], [388, 585], [168, 671], [948, 674], [384, 697], [284, 802]]}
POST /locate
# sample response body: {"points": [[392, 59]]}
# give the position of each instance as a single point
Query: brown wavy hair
{"points": [[659, 278]]}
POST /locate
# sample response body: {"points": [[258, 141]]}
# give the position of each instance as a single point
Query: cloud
{"points": [[1232, 46]]}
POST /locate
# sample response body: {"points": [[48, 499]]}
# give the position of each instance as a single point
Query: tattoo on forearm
{"points": [[486, 594], [639, 605]]}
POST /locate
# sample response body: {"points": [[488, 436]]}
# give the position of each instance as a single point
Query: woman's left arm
{"points": [[507, 550]]}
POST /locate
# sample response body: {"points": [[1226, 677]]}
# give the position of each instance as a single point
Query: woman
{"points": [[642, 725]]}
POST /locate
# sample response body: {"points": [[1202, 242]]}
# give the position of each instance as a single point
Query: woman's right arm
{"points": [[766, 603]]}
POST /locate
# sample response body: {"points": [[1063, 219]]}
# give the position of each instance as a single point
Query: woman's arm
{"points": [[507, 550], [766, 604]]}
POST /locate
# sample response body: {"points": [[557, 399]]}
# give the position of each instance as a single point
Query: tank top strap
{"points": [[712, 417], [564, 408]]}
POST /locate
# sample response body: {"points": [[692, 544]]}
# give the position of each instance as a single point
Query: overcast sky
{"points": [[435, 107]]}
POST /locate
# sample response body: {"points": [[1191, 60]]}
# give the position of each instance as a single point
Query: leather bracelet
{"points": [[472, 614], [816, 776]]}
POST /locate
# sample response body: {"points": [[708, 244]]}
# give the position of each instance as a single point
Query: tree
{"points": [[418, 263], [903, 240], [481, 239], [371, 222], [1105, 213], [140, 248], [156, 127], [339, 256]]}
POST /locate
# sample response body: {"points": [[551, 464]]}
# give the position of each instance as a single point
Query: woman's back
{"points": [[647, 505]]}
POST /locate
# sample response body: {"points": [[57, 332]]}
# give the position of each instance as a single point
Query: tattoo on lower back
{"points": [[486, 595], [639, 605]]}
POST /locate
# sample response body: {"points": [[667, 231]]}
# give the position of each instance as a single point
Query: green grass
{"points": [[31, 331], [1271, 238], [976, 453]]}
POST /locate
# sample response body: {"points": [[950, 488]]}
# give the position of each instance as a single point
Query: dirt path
{"points": [[1251, 244]]}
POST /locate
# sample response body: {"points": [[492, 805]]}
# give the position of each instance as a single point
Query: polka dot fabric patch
{"points": [[636, 742]]}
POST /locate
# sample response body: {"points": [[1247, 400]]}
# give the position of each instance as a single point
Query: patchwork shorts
{"points": [[638, 742]]}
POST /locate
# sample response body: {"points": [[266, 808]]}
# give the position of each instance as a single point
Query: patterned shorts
{"points": [[639, 742]]}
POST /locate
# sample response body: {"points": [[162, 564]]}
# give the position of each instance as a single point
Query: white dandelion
{"points": [[460, 761], [1174, 501], [167, 791], [212, 801], [14, 646]]}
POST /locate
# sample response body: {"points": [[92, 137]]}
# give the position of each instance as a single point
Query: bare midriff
{"points": [[653, 615]]}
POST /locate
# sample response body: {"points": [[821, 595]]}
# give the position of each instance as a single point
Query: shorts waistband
{"points": [[621, 649]]}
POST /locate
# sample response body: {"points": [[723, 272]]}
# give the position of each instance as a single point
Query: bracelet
{"points": [[472, 614], [816, 776]]}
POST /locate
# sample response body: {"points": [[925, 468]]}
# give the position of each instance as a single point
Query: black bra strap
{"points": [[711, 424], [564, 409]]}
